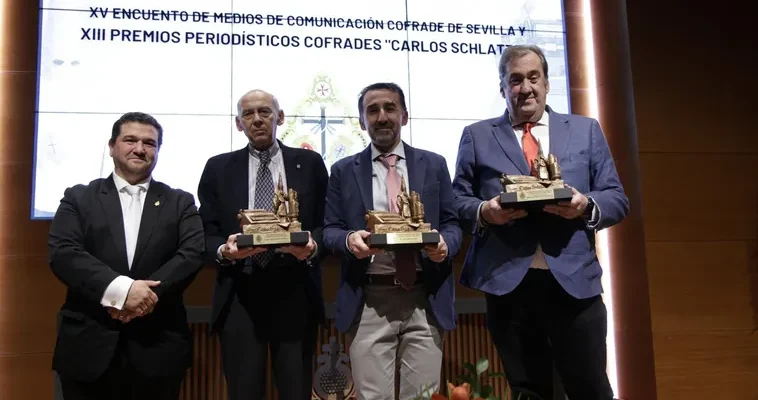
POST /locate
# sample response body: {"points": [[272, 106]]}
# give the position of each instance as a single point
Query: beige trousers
{"points": [[395, 330]]}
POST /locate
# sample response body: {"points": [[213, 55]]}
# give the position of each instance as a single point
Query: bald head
{"points": [[258, 115], [258, 93]]}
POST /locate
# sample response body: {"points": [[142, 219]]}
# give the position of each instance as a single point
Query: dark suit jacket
{"points": [[88, 250], [350, 197], [499, 257], [223, 192]]}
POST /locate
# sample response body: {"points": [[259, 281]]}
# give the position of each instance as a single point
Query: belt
{"points": [[390, 280]]}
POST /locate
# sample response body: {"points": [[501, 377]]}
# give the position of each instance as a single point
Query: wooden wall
{"points": [[698, 149], [29, 294]]}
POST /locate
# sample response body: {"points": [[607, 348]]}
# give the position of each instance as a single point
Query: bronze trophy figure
{"points": [[273, 229], [543, 186], [406, 229]]}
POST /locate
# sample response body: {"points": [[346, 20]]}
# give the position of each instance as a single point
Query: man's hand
{"points": [[493, 214], [356, 242], [229, 249], [438, 252], [569, 209], [121, 315], [140, 299], [301, 252]]}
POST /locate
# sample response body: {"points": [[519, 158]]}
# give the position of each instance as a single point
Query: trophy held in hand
{"points": [[273, 229], [543, 186], [404, 229]]}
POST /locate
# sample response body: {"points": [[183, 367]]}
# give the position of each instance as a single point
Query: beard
{"points": [[384, 136]]}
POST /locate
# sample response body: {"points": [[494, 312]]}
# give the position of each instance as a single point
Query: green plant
{"points": [[470, 385], [474, 375]]}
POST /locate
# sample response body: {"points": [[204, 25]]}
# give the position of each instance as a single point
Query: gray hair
{"points": [[518, 51], [274, 100]]}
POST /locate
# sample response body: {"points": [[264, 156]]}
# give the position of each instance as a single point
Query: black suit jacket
{"points": [[223, 192], [87, 250]]}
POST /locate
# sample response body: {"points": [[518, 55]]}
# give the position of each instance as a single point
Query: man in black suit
{"points": [[264, 298], [127, 247]]}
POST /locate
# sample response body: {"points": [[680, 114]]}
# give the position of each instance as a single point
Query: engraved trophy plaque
{"points": [[273, 229], [406, 229], [543, 186]]}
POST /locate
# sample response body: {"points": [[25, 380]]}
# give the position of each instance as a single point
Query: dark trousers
{"points": [[122, 382], [538, 325], [269, 311]]}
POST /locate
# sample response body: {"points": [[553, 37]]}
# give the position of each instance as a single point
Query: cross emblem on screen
{"points": [[322, 125]]}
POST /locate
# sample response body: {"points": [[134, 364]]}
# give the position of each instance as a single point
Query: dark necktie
{"points": [[264, 198]]}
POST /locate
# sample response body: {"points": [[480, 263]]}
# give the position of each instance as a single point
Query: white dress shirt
{"points": [[117, 291]]}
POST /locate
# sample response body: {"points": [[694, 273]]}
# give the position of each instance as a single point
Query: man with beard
{"points": [[126, 247], [538, 268], [264, 299], [394, 304]]}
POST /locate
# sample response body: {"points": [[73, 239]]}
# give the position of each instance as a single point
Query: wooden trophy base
{"points": [[533, 198], [273, 239], [402, 239]]}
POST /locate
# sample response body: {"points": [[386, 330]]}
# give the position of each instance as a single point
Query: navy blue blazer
{"points": [[499, 256], [348, 199]]}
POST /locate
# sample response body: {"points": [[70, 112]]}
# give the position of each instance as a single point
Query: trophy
{"points": [[273, 229], [543, 186], [406, 229]]}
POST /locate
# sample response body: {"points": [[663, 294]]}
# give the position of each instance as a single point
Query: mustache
{"points": [[384, 125]]}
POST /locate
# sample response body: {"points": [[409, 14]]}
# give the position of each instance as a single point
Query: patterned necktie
{"points": [[264, 199], [393, 180], [530, 145], [132, 218], [405, 268]]}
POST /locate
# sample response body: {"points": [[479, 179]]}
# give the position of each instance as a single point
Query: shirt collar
{"points": [[121, 183], [399, 151], [257, 154], [544, 120]]}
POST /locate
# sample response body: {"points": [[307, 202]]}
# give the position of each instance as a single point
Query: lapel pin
{"points": [[157, 203], [297, 166]]}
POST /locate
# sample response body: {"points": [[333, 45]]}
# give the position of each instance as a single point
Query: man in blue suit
{"points": [[538, 268], [394, 304]]}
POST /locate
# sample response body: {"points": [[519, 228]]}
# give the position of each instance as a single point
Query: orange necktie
{"points": [[530, 145]]}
